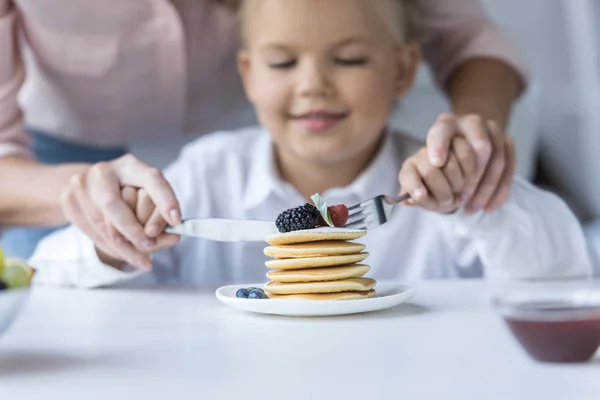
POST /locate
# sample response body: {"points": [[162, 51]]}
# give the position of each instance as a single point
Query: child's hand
{"points": [[438, 189], [145, 212]]}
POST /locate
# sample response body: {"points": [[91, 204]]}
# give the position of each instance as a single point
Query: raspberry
{"points": [[299, 218], [321, 222], [338, 215]]}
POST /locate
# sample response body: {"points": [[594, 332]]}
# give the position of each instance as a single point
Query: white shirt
{"points": [[232, 175]]}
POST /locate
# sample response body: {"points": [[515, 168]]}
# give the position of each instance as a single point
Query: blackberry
{"points": [[299, 218]]}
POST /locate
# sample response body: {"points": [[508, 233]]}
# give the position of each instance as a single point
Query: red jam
{"points": [[557, 332]]}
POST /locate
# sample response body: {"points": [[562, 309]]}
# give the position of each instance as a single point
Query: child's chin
{"points": [[322, 156]]}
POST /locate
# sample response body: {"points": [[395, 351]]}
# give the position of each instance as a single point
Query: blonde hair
{"points": [[404, 28]]}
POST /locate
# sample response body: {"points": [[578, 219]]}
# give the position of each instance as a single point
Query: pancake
{"points": [[314, 235], [316, 262], [326, 296], [344, 285], [319, 274], [314, 249]]}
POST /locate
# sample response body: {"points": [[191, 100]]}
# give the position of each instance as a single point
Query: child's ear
{"points": [[243, 62], [409, 59]]}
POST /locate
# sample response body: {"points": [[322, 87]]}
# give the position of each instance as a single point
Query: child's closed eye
{"points": [[286, 64], [351, 62], [346, 62]]}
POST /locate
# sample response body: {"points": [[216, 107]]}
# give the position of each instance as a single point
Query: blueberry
{"points": [[242, 293], [257, 294], [3, 285]]}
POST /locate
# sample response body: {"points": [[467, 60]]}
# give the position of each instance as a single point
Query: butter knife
{"points": [[225, 230]]}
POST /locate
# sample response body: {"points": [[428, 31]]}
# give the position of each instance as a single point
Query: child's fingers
{"points": [[156, 224], [411, 182], [501, 195], [165, 240], [145, 207], [454, 174], [130, 196]]}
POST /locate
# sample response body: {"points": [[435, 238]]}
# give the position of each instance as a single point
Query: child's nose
{"points": [[314, 81]]}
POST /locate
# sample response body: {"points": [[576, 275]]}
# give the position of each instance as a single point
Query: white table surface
{"points": [[157, 344]]}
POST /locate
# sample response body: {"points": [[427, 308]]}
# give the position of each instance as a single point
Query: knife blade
{"points": [[225, 230]]}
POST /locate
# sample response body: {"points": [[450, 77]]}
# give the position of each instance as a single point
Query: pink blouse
{"points": [[111, 72]]}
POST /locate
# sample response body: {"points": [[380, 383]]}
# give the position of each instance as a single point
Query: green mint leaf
{"points": [[321, 205]]}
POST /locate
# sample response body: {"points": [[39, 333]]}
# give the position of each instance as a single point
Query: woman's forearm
{"points": [[30, 192], [486, 87]]}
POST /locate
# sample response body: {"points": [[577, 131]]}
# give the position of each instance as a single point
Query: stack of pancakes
{"points": [[318, 264]]}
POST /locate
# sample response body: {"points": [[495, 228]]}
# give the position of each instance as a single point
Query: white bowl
{"points": [[11, 304]]}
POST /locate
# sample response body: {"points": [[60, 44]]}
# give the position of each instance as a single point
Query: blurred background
{"points": [[556, 127]]}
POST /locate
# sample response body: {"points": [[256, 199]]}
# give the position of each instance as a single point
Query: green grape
{"points": [[16, 275]]}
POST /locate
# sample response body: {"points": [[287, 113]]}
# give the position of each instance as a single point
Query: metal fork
{"points": [[373, 212]]}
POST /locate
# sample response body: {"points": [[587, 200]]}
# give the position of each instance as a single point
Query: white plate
{"points": [[387, 294]]}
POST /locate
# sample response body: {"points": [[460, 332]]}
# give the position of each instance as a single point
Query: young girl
{"points": [[323, 76]]}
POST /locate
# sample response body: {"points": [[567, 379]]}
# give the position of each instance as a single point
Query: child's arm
{"points": [[534, 235], [68, 258]]}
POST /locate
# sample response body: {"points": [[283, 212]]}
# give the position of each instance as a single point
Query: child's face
{"points": [[323, 75]]}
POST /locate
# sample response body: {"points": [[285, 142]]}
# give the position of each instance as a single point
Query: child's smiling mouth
{"points": [[318, 120]]}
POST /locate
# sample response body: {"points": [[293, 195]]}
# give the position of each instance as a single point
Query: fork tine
{"points": [[360, 219], [355, 225], [357, 217], [355, 210], [366, 203], [356, 207], [362, 211], [369, 214]]}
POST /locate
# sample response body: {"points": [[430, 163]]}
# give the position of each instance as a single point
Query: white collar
{"points": [[380, 177], [263, 177]]}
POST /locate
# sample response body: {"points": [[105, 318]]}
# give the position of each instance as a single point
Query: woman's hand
{"points": [[94, 202], [488, 187], [139, 201]]}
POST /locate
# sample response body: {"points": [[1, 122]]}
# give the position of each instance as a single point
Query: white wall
{"points": [[541, 29]]}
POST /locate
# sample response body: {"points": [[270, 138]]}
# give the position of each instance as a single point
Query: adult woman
{"points": [[100, 75]]}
